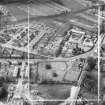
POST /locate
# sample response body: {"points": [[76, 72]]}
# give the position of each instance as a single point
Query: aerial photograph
{"points": [[52, 52]]}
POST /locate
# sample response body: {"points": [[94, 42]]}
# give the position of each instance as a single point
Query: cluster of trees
{"points": [[12, 1], [3, 91], [90, 82], [102, 27], [77, 50], [91, 63], [27, 1], [26, 103]]}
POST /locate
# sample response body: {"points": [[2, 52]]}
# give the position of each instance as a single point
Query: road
{"points": [[59, 58]]}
